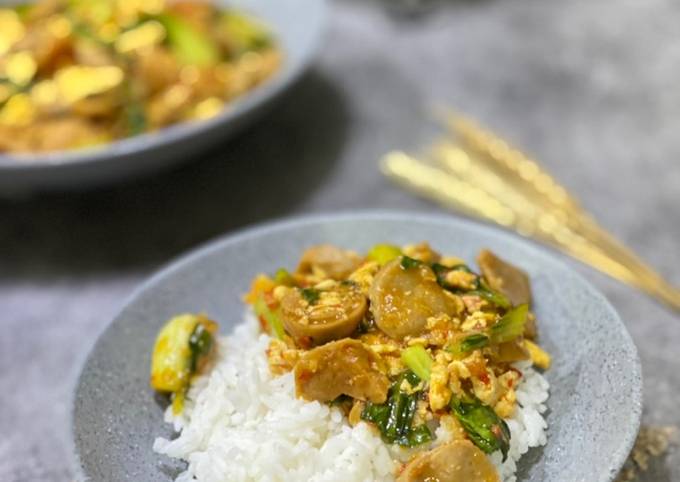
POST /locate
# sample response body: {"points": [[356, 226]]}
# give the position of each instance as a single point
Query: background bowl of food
{"points": [[96, 91]]}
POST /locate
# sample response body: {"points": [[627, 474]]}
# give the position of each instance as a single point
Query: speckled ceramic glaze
{"points": [[595, 403], [297, 24]]}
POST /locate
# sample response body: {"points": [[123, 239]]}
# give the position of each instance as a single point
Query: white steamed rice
{"points": [[242, 424]]}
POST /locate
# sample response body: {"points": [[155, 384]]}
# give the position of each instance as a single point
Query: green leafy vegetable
{"points": [[378, 413], [310, 294], [416, 436], [200, 343], [190, 46], [510, 326], [394, 418], [408, 263], [383, 253], [418, 360], [270, 316], [441, 271], [136, 118], [402, 409], [495, 297], [480, 288], [487, 430]]}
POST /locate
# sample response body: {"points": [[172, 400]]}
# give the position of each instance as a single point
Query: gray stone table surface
{"points": [[589, 87]]}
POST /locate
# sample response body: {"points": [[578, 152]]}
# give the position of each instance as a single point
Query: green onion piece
{"points": [[383, 253], [310, 294], [418, 360], [283, 277], [474, 342], [493, 297], [270, 316], [487, 430], [416, 436], [510, 326], [200, 343], [402, 410], [246, 32], [468, 344], [408, 263], [190, 46], [394, 418]]}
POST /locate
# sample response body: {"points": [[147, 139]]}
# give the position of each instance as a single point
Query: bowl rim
{"points": [[183, 131], [616, 460]]}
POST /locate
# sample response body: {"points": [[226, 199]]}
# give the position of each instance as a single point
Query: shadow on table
{"points": [[263, 173]]}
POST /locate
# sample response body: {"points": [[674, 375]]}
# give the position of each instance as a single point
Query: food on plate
{"points": [[398, 365], [80, 73], [184, 348]]}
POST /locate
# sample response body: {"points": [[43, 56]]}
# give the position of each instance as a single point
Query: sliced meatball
{"points": [[457, 461], [509, 280], [402, 299], [345, 367], [505, 277], [334, 313], [328, 261]]}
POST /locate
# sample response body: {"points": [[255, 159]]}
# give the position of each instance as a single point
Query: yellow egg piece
{"points": [[78, 82]]}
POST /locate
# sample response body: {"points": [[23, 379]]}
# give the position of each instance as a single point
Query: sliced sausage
{"points": [[330, 261], [402, 299], [509, 280], [334, 315], [457, 461], [345, 367]]}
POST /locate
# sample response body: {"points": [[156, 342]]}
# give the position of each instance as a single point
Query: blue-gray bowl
{"points": [[298, 26], [595, 404]]}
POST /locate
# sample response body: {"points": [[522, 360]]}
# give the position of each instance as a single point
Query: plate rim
{"points": [[176, 133], [616, 460]]}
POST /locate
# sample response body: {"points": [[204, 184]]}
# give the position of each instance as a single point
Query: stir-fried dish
{"points": [[404, 339], [79, 73]]}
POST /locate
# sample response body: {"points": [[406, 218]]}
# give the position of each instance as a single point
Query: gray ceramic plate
{"points": [[595, 403], [298, 25]]}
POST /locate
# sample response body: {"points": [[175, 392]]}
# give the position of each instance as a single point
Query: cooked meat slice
{"points": [[402, 299], [457, 461], [328, 261], [345, 367], [504, 277], [509, 280], [321, 316]]}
